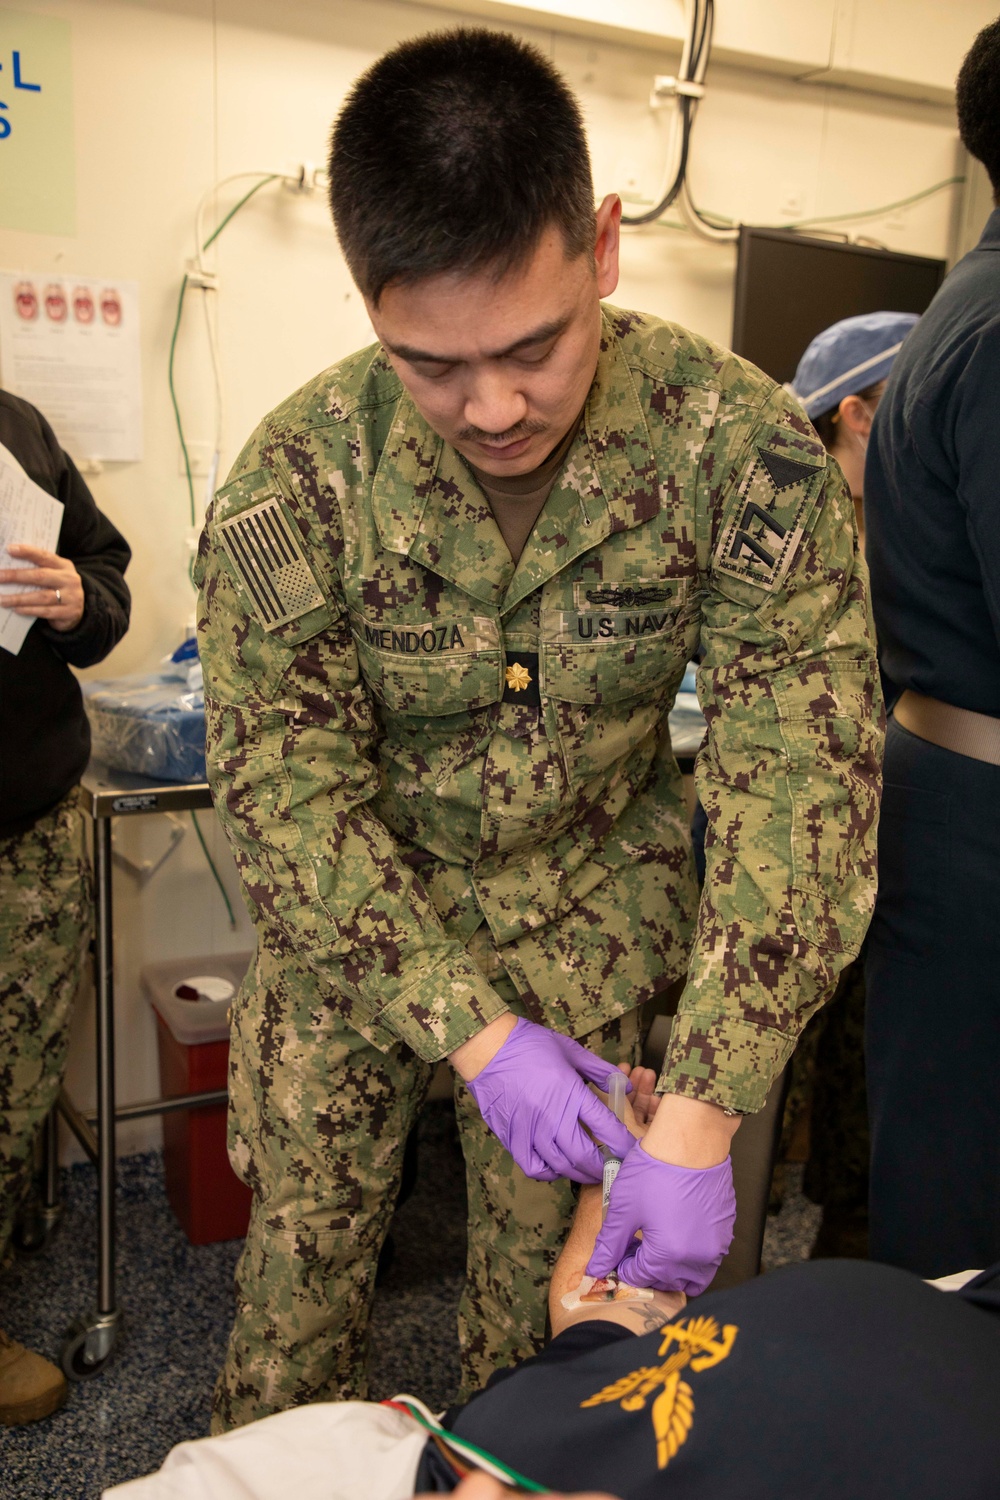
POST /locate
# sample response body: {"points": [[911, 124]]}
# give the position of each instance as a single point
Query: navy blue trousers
{"points": [[933, 1012]]}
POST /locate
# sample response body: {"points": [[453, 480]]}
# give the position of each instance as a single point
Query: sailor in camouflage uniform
{"points": [[443, 757]]}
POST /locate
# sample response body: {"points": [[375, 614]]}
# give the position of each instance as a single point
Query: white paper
{"points": [[27, 514], [70, 346]]}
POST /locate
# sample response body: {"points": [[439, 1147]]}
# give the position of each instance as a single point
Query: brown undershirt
{"points": [[518, 500]]}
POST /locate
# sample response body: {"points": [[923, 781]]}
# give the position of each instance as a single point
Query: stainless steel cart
{"points": [[91, 1337]]}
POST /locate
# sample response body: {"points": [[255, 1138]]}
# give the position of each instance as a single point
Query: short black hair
{"points": [[455, 152], [977, 96]]}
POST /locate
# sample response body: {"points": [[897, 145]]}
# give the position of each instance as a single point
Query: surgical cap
{"points": [[848, 357]]}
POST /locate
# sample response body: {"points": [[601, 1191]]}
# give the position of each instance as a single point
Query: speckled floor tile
{"points": [[157, 1387], [414, 1338], [790, 1234], [156, 1390]]}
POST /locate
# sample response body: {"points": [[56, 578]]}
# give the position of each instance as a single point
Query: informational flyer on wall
{"points": [[70, 346]]}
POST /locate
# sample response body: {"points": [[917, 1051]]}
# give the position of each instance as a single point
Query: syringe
{"points": [[616, 1103]]}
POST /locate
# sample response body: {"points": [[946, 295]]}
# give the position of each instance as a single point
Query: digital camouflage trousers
{"points": [[45, 915], [318, 1123]]}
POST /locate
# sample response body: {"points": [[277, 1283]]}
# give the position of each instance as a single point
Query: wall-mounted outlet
{"points": [[304, 177], [204, 279], [792, 204], [142, 857], [199, 457], [628, 178]]}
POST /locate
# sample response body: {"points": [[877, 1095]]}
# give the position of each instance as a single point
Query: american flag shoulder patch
{"points": [[267, 554]]}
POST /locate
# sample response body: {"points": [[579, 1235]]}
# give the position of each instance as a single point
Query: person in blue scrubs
{"points": [[840, 381]]}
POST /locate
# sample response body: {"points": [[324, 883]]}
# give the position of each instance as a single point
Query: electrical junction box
{"points": [[191, 998]]}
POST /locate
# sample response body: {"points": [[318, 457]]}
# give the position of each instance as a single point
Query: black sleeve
{"points": [[983, 1290], [579, 1338], [434, 1475], [101, 555]]}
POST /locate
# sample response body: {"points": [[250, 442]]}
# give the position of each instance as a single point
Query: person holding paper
{"points": [[73, 596]]}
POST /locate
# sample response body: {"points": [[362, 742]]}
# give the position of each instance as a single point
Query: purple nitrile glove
{"points": [[533, 1097], [686, 1215]]}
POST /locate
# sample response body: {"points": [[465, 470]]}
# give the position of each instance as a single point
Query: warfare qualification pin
{"points": [[517, 678]]}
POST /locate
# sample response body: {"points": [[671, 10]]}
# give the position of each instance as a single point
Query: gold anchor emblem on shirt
{"points": [[517, 678], [700, 1346]]}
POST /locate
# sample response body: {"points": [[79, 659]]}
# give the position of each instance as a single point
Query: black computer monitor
{"points": [[790, 287]]}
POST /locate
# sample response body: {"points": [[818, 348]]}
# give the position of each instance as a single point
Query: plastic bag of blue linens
{"points": [[152, 724]]}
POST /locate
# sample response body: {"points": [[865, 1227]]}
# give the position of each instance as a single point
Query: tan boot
{"points": [[30, 1386]]}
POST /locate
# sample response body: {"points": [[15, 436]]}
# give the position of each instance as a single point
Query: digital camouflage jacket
{"points": [[409, 735]]}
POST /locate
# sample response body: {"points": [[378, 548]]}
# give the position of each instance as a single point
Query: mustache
{"points": [[497, 439]]}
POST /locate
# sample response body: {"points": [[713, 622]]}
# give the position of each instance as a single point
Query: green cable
{"points": [[211, 866], [190, 481], [648, 203], [464, 1445], [271, 177], [721, 222], [237, 206], [173, 394], [874, 213]]}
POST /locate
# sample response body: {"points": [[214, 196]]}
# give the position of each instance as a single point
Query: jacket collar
{"points": [[990, 237], [427, 505]]}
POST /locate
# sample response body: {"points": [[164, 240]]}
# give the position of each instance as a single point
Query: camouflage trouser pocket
{"points": [[503, 1311], [303, 1303], [317, 1125]]}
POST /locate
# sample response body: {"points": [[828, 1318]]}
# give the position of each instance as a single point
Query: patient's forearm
{"points": [[576, 1252]]}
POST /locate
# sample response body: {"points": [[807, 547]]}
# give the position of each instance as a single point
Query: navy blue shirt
{"points": [[932, 493], [830, 1380]]}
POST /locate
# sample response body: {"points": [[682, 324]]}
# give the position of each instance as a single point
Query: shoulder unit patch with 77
{"points": [[765, 527]]}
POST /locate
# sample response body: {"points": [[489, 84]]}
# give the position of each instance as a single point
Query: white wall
{"points": [[172, 95]]}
